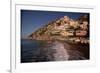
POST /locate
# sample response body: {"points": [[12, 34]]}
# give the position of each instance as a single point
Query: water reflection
{"points": [[42, 51]]}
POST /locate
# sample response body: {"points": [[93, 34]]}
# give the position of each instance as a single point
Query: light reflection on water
{"points": [[41, 51]]}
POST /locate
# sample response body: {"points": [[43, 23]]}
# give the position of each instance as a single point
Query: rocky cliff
{"points": [[64, 28]]}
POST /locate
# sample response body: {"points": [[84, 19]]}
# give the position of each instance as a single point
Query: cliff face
{"points": [[64, 28]]}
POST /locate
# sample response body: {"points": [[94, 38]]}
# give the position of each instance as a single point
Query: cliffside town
{"points": [[65, 28]]}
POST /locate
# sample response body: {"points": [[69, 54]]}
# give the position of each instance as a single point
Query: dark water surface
{"points": [[42, 51], [30, 50]]}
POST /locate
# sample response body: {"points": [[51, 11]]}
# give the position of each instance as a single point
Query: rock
{"points": [[63, 27]]}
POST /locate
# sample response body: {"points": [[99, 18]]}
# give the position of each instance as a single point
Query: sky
{"points": [[31, 20]]}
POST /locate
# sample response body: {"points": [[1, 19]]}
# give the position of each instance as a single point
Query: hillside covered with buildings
{"points": [[65, 28]]}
